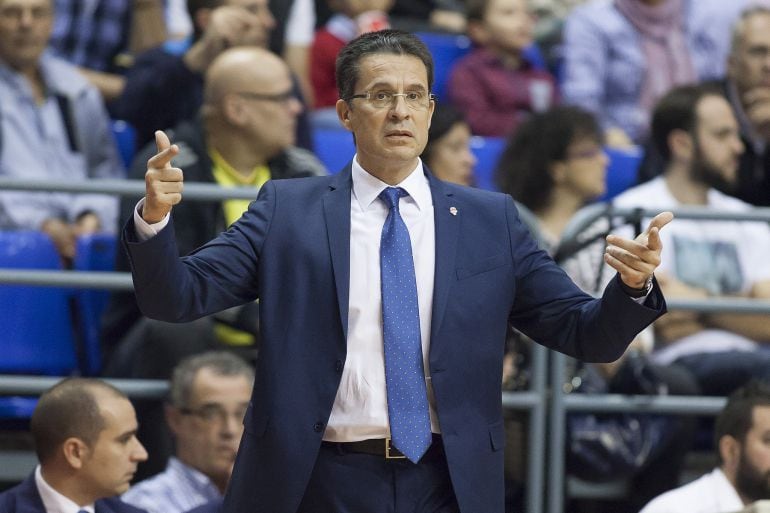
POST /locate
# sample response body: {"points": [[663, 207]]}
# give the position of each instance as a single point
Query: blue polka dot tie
{"points": [[404, 374]]}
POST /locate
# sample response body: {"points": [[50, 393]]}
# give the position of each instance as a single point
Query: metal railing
{"points": [[546, 439]]}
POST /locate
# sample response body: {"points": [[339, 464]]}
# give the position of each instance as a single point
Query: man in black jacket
{"points": [[243, 136]]}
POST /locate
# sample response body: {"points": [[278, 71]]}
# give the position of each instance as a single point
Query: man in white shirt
{"points": [[85, 438], [208, 399], [741, 478], [697, 134]]}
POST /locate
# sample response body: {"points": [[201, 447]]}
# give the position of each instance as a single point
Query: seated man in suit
{"points": [[208, 398], [85, 438]]}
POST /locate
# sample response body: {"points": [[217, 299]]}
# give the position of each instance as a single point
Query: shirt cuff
{"points": [[144, 230]]}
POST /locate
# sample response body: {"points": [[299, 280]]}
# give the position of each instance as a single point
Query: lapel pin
{"points": [[453, 211]]}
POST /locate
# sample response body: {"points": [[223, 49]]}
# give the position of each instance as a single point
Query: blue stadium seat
{"points": [[487, 151], [334, 147], [36, 321], [446, 50], [125, 138], [94, 253], [621, 172]]}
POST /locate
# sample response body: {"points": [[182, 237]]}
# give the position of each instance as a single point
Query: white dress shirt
{"points": [[360, 408], [710, 493], [53, 501]]}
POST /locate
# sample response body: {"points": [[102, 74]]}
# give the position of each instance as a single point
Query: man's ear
{"points": [[343, 113], [173, 418], [75, 451], [681, 144], [730, 450]]}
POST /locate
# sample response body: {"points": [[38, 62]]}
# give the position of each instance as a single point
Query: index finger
{"points": [[653, 230], [166, 151]]}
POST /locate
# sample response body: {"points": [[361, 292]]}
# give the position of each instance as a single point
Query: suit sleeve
{"points": [[555, 312], [221, 274]]}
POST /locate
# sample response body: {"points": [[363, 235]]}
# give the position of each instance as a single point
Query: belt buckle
{"points": [[389, 447]]}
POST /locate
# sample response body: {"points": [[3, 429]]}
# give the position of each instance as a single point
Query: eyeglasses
{"points": [[588, 153], [415, 100], [284, 97], [215, 414]]}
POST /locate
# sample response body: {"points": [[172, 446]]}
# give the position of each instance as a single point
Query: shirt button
{"points": [[338, 366], [318, 427]]}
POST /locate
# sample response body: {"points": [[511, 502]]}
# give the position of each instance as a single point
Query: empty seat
{"points": [[37, 324]]}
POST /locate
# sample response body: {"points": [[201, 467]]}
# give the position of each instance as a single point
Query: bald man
{"points": [[85, 438], [243, 136]]}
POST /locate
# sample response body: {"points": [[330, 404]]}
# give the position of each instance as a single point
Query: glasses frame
{"points": [[368, 97], [284, 97]]}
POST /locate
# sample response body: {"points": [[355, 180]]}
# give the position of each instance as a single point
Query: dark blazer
{"points": [[292, 250], [24, 498]]}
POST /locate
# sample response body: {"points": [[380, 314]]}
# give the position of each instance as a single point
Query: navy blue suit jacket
{"points": [[24, 498], [292, 251]]}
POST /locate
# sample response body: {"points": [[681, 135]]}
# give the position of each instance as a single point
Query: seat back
{"points": [[334, 147], [94, 253], [622, 170], [487, 151], [125, 138], [37, 335], [446, 50]]}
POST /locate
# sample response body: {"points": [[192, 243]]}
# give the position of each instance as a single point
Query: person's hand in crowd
{"points": [[636, 260], [62, 235], [86, 224], [229, 26], [756, 103], [163, 183], [616, 138], [451, 21]]}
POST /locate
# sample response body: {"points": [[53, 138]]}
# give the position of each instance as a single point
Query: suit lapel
{"points": [[337, 215], [29, 500], [447, 229]]}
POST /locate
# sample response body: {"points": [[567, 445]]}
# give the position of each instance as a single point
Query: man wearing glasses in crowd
{"points": [[384, 298], [209, 394]]}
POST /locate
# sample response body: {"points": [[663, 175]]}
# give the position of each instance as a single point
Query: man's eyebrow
{"points": [[389, 85]]}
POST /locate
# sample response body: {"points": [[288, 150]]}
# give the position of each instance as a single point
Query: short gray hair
{"points": [[754, 9], [221, 363]]}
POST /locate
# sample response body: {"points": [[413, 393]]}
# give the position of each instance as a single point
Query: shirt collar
{"points": [[200, 480], [757, 143], [367, 187], [54, 501]]}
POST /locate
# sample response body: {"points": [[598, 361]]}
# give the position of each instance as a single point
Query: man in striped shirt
{"points": [[209, 394]]}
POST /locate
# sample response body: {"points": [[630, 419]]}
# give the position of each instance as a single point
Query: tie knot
{"points": [[391, 195]]}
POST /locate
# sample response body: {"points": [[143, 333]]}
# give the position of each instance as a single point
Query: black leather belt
{"points": [[382, 447]]}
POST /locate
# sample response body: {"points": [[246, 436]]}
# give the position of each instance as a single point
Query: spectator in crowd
{"points": [[448, 153], [244, 135], [163, 89], [209, 394], [100, 37], [743, 456], [697, 135], [621, 56], [553, 166], [53, 126], [351, 19], [295, 243], [85, 438], [748, 89], [292, 36], [495, 86]]}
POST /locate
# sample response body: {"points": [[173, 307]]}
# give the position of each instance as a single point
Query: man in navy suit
{"points": [[317, 435], [85, 438]]}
